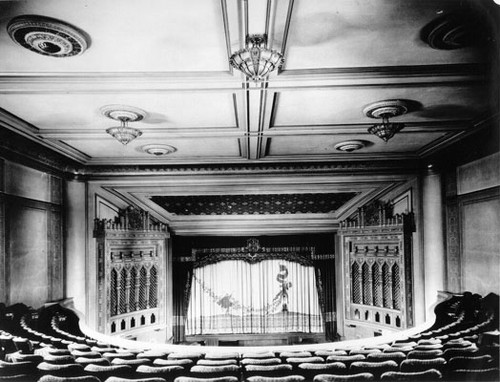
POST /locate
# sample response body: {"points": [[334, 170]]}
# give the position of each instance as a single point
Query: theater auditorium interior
{"points": [[249, 190]]}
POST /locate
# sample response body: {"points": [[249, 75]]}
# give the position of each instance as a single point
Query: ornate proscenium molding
{"points": [[129, 219], [252, 253]]}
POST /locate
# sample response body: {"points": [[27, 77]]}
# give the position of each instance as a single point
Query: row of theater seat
{"points": [[451, 351]]}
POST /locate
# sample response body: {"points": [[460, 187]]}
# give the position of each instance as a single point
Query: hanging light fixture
{"points": [[256, 61], [385, 110], [124, 114]]}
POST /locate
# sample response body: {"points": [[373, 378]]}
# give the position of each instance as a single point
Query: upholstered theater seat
{"points": [[344, 378], [416, 365], [289, 378], [327, 353], [167, 372], [425, 354], [266, 354], [152, 355], [215, 371], [490, 374], [364, 351], [122, 355], [58, 359], [186, 363], [77, 346], [402, 349], [420, 376], [123, 379], [460, 352], [22, 357], [86, 354], [310, 370], [195, 356], [134, 363], [83, 378], [216, 362], [84, 361], [102, 372], [60, 370], [346, 359], [220, 356], [429, 347], [260, 361], [375, 368], [397, 357], [479, 362], [194, 379], [267, 370], [297, 361], [294, 354], [22, 345], [17, 368]]}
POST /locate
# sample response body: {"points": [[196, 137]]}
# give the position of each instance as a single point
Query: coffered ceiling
{"points": [[170, 58]]}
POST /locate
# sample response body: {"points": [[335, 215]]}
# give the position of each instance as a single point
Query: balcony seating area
{"points": [[48, 346]]}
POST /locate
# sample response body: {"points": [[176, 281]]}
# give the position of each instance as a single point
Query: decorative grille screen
{"points": [[132, 256], [378, 269]]}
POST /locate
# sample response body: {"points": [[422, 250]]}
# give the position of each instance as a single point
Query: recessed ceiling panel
{"points": [[345, 105], [367, 33], [196, 149], [125, 36], [317, 145], [164, 110], [269, 204]]}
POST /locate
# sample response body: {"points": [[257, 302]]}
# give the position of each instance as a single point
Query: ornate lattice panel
{"points": [[132, 258], [378, 272]]}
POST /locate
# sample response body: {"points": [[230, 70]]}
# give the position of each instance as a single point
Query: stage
{"points": [[269, 339]]}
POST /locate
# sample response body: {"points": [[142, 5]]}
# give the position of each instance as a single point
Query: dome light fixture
{"points": [[124, 114], [256, 61], [385, 110]]}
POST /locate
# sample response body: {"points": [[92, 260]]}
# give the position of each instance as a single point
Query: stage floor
{"points": [[266, 339]]}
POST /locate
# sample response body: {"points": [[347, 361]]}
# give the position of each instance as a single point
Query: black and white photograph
{"points": [[249, 190]]}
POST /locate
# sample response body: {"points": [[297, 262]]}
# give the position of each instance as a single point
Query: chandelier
{"points": [[124, 114], [256, 61], [384, 110]]}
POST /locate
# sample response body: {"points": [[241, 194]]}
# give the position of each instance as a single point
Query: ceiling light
{"points": [[158, 150], [124, 114], [349, 146], [384, 110], [256, 61]]}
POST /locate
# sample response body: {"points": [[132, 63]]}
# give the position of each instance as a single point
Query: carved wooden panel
{"points": [[378, 273], [131, 276]]}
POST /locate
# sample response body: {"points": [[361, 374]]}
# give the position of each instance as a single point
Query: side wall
{"points": [[31, 236], [473, 226]]}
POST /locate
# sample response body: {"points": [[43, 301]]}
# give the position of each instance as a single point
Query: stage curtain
{"points": [[270, 296], [325, 276], [182, 277]]}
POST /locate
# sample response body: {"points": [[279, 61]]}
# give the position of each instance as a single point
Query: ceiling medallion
{"points": [[158, 150], [47, 36], [349, 146], [451, 31], [385, 110], [124, 114], [256, 61]]}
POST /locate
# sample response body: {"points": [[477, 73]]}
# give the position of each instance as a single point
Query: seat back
{"points": [[375, 368], [426, 375], [289, 378], [344, 378], [310, 370], [479, 362], [415, 365], [280, 370]]}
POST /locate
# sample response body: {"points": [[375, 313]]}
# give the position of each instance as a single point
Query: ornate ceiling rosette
{"points": [[158, 149], [47, 36]]}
